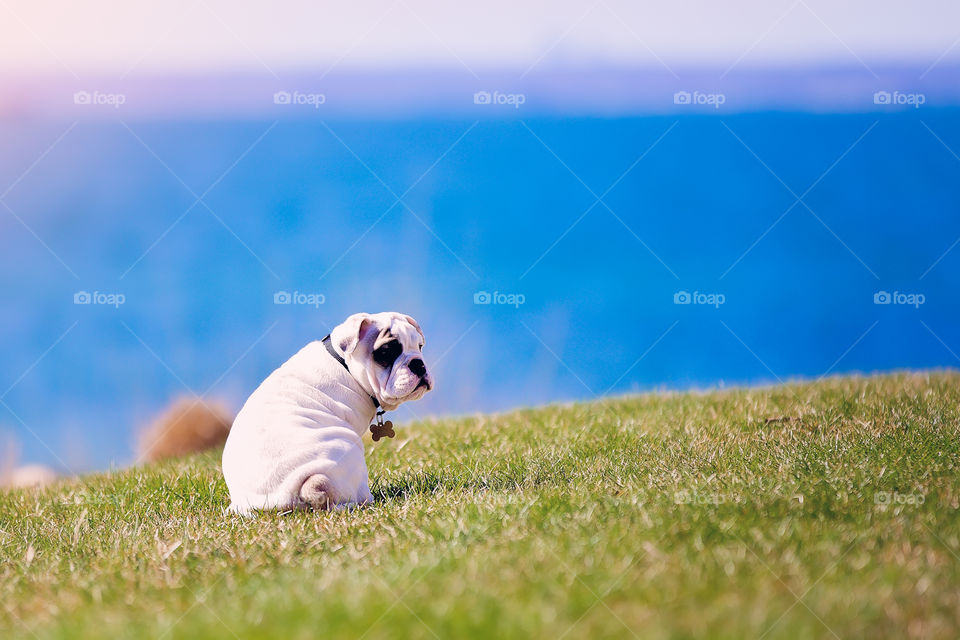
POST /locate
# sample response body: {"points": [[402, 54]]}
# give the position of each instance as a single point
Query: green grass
{"points": [[742, 513]]}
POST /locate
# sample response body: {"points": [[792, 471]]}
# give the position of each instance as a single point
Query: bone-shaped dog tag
{"points": [[382, 430]]}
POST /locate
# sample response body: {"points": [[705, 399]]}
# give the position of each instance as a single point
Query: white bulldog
{"points": [[296, 443]]}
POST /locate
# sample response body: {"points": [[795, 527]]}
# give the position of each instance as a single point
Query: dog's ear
{"points": [[349, 334], [415, 325]]}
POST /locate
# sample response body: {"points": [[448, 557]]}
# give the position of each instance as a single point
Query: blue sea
{"points": [[613, 255]]}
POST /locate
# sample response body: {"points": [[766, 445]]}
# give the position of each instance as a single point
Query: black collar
{"points": [[329, 345]]}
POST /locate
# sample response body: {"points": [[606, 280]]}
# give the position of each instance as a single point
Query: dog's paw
{"points": [[237, 510], [316, 492]]}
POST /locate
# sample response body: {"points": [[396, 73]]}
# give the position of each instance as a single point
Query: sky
{"points": [[114, 37]]}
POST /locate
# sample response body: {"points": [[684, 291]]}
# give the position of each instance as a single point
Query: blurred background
{"points": [[573, 198]]}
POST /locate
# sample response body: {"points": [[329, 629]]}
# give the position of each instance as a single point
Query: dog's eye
{"points": [[387, 353]]}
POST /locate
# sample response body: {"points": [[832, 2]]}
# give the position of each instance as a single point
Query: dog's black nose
{"points": [[417, 367]]}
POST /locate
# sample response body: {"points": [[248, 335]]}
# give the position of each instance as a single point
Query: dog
{"points": [[296, 443]]}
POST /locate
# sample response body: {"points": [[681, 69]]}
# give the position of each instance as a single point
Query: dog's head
{"points": [[384, 352]]}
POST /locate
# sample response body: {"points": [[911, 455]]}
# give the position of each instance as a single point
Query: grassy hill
{"points": [[803, 511]]}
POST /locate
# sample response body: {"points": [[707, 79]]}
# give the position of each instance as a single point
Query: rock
{"points": [[187, 426]]}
